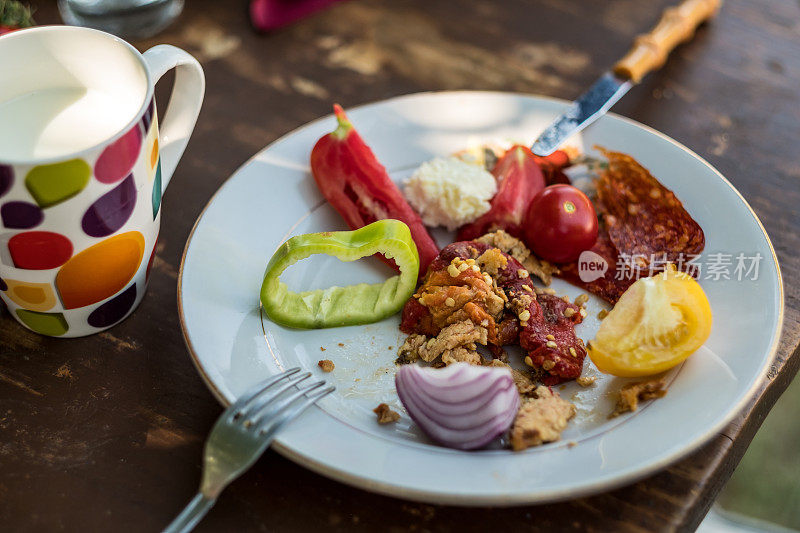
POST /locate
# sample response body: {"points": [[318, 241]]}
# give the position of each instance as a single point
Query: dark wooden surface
{"points": [[106, 433]]}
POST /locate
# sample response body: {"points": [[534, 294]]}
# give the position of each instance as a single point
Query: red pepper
{"points": [[355, 183], [519, 179], [553, 166]]}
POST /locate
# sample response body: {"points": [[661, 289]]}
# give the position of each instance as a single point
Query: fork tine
{"points": [[273, 424], [255, 390], [266, 396], [270, 410]]}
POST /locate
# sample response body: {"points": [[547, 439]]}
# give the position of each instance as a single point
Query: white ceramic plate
{"points": [[274, 196]]}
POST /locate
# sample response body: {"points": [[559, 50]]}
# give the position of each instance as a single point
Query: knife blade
{"points": [[586, 109], [649, 52]]}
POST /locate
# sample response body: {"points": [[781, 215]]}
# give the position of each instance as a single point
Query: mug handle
{"points": [[184, 103]]}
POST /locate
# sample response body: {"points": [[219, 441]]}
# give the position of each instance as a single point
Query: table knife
{"points": [[649, 52]]}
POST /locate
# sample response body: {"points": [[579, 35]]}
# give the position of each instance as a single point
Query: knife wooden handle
{"points": [[677, 24]]}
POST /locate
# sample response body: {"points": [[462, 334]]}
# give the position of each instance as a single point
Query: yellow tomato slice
{"points": [[657, 323]]}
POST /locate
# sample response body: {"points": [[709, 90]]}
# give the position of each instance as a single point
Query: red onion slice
{"points": [[457, 386], [470, 405], [461, 406]]}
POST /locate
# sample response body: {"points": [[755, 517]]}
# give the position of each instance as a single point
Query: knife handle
{"points": [[677, 24]]}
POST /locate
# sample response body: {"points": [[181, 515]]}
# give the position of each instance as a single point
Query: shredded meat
{"points": [[522, 380], [434, 295], [631, 394], [409, 351], [520, 303], [517, 249], [385, 414], [492, 261], [462, 355], [471, 281], [540, 419], [456, 342], [454, 291]]}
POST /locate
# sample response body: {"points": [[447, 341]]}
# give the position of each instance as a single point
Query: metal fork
{"points": [[243, 432]]}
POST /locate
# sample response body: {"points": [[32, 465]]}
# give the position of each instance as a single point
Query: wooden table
{"points": [[106, 433]]}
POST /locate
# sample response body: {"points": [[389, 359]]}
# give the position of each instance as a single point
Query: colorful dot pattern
{"points": [[113, 310], [21, 215], [118, 159], [111, 211], [52, 184], [6, 179], [101, 274], [53, 324], [33, 296], [110, 265], [157, 191], [39, 250]]}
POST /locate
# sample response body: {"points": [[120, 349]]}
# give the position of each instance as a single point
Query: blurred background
{"points": [[764, 491]]}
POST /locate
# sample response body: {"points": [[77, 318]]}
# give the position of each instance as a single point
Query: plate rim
{"points": [[502, 500]]}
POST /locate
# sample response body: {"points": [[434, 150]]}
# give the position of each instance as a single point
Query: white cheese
{"points": [[449, 192]]}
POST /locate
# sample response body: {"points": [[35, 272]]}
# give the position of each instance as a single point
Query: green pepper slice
{"points": [[342, 306]]}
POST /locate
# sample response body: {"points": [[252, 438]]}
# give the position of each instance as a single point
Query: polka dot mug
{"points": [[82, 171]]}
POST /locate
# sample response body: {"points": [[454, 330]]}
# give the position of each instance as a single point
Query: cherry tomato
{"points": [[560, 224]]}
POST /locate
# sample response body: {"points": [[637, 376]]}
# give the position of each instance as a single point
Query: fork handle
{"points": [[191, 515]]}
